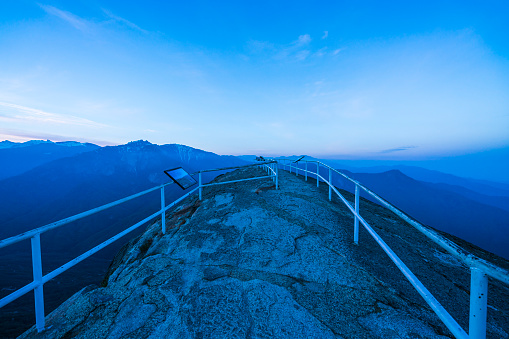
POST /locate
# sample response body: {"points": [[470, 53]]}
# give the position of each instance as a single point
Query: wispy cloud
{"points": [[397, 149], [303, 40], [13, 112], [300, 49], [124, 21], [321, 52], [297, 49], [86, 25], [302, 55], [336, 51], [74, 20]]}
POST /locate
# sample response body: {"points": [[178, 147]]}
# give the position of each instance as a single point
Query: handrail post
{"points": [[356, 221], [277, 177], [317, 173], [274, 167], [306, 173], [478, 304], [330, 184], [290, 166], [38, 291], [163, 212], [200, 187]]}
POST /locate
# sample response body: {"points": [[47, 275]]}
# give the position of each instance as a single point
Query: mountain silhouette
{"points": [[18, 158]]}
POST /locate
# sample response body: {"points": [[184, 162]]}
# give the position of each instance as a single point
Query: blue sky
{"points": [[388, 80]]}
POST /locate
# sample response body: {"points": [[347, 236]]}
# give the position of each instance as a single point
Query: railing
{"points": [[35, 236], [269, 166], [480, 269]]}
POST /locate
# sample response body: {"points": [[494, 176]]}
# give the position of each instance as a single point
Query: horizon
{"points": [[488, 165], [372, 81]]}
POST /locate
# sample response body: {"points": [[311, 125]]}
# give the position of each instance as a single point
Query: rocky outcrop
{"points": [[249, 261]]}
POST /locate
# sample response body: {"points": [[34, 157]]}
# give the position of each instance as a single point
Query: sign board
{"points": [[181, 177]]}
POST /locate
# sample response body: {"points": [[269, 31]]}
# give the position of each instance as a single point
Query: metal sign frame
{"points": [[181, 177]]}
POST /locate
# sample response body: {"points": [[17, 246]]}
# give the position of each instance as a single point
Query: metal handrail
{"points": [[235, 167], [480, 268], [39, 279], [62, 222]]}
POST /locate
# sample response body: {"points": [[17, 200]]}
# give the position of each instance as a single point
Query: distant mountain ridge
{"points": [[488, 187], [466, 215], [9, 144], [436, 177], [18, 158], [70, 185], [490, 165]]}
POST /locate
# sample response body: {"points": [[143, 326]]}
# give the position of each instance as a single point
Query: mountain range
{"points": [[72, 184], [49, 181], [490, 165], [480, 219], [18, 158]]}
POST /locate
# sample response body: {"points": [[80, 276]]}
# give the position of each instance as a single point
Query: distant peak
{"points": [[37, 142], [10, 144], [139, 143], [7, 144], [70, 143]]}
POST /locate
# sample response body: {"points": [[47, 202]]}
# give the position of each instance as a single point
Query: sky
{"points": [[381, 80]]}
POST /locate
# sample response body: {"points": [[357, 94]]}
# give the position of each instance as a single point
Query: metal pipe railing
{"points": [[37, 285], [62, 222], [480, 268]]}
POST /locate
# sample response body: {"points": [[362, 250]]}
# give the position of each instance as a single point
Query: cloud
{"points": [[85, 25], [303, 40], [13, 112], [126, 22], [300, 49], [321, 52], [297, 49], [74, 20], [325, 34], [397, 149], [302, 55]]}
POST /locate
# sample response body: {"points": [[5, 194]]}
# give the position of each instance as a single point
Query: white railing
{"points": [[480, 269], [35, 236]]}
